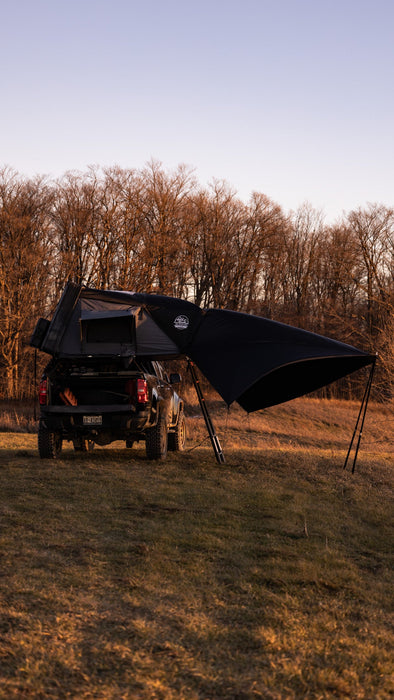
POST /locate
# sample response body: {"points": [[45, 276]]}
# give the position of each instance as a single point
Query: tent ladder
{"points": [[208, 421]]}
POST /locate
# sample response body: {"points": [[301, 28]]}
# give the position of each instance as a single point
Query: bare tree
{"points": [[215, 240], [75, 220], [164, 220], [301, 253], [268, 230], [25, 267], [373, 228]]}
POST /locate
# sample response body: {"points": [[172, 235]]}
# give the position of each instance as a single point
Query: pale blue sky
{"points": [[293, 98]]}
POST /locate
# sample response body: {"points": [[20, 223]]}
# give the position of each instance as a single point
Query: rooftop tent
{"points": [[91, 329], [148, 338], [92, 322]]}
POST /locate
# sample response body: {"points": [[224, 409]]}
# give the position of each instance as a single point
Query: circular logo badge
{"points": [[181, 323]]}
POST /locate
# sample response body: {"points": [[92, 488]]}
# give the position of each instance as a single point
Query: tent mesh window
{"points": [[108, 330]]}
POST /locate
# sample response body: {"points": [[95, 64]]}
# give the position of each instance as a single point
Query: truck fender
{"points": [[176, 409], [156, 399]]}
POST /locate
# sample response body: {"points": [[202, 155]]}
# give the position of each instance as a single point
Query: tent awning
{"points": [[249, 359]]}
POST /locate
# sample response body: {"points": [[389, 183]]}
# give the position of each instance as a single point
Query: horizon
{"points": [[321, 213]]}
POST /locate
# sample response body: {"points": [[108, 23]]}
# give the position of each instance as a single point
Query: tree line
{"points": [[159, 231]]}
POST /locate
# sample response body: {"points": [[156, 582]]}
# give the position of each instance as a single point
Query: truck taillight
{"points": [[42, 392], [142, 391]]}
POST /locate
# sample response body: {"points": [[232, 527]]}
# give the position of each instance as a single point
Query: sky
{"points": [[292, 98]]}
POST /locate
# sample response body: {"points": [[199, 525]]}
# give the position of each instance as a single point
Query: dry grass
{"points": [[303, 423], [17, 417], [267, 577]]}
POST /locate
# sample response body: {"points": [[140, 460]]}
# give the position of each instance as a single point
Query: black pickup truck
{"points": [[91, 401], [105, 380]]}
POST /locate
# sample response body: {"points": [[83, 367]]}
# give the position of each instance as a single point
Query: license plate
{"points": [[92, 420]]}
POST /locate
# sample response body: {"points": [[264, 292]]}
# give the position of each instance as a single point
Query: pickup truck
{"points": [[96, 400]]}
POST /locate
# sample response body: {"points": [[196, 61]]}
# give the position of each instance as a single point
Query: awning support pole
{"points": [[208, 421], [361, 415]]}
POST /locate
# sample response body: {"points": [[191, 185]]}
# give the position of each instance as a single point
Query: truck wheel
{"points": [[157, 439], [177, 439], [83, 445], [49, 444]]}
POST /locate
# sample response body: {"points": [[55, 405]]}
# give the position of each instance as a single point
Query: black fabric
{"points": [[179, 319], [258, 362], [61, 318], [290, 381]]}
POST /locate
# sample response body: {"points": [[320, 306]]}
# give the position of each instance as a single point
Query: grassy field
{"points": [[267, 577]]}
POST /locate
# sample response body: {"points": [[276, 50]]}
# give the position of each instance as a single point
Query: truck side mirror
{"points": [[175, 378]]}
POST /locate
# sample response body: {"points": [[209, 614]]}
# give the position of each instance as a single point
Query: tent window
{"points": [[117, 329]]}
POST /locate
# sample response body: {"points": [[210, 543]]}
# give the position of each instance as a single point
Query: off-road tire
{"points": [[49, 444], [157, 440], [83, 445], [177, 439]]}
